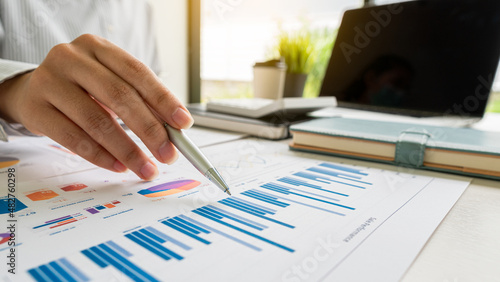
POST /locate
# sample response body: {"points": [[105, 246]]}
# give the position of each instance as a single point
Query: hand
{"points": [[72, 98]]}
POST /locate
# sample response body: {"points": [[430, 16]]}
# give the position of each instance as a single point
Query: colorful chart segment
{"points": [[10, 205], [97, 208], [42, 195], [73, 187], [7, 161], [169, 188], [58, 222], [4, 237], [243, 219]]}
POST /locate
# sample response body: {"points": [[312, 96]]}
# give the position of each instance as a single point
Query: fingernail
{"points": [[119, 167], [168, 153], [182, 118], [149, 171]]}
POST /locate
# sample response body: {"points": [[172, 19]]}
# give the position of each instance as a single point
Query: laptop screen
{"points": [[416, 58]]}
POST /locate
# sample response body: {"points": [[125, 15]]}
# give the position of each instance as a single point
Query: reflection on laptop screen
{"points": [[416, 58]]}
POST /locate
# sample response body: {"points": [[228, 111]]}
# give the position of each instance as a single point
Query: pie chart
{"points": [[4, 237], [7, 161], [169, 188]]}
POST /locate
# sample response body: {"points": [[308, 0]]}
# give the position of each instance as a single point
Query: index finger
{"points": [[145, 81]]}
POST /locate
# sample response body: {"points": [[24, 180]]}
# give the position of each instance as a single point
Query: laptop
{"points": [[417, 58]]}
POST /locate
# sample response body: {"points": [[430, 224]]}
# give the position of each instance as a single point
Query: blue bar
{"points": [[100, 207], [242, 206], [61, 218], [269, 210], [168, 238], [253, 194], [276, 188], [237, 218], [66, 276], [333, 173], [183, 226], [295, 182], [341, 176], [147, 243], [236, 206], [245, 206], [153, 246], [122, 264], [314, 177], [221, 233], [311, 176], [157, 233], [119, 249], [287, 189], [37, 275], [152, 236], [240, 217], [73, 269], [271, 187], [49, 273], [311, 206], [191, 225], [185, 232], [158, 246], [266, 198], [214, 213], [55, 221], [96, 259], [343, 168], [198, 211]]}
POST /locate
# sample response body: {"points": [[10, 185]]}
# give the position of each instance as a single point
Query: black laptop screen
{"points": [[418, 58]]}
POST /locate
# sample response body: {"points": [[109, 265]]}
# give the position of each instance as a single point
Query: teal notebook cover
{"points": [[410, 143]]}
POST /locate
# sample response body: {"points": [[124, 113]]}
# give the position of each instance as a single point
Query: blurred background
{"points": [[225, 38]]}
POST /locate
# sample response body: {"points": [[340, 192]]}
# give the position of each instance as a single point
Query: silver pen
{"points": [[195, 157]]}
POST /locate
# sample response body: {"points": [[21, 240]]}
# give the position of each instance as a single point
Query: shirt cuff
{"points": [[9, 69], [3, 135], [12, 129]]}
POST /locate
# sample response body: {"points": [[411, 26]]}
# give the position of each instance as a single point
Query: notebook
{"points": [[418, 58], [458, 150]]}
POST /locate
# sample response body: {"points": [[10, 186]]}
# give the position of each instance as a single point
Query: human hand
{"points": [[72, 98]]}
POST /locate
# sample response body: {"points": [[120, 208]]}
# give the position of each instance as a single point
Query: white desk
{"points": [[466, 246]]}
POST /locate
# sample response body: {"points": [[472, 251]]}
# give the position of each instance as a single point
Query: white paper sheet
{"points": [[292, 217]]}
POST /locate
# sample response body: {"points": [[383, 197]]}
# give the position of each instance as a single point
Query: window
{"points": [[235, 34]]}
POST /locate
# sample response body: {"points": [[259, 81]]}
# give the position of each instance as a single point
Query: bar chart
{"points": [[271, 217], [61, 221], [291, 217]]}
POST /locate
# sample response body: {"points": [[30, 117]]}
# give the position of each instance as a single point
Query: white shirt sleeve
{"points": [[9, 69], [25, 41], [3, 136]]}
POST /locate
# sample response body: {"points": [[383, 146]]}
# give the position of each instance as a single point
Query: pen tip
{"points": [[229, 193]]}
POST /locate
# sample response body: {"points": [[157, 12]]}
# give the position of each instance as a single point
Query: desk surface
{"points": [[466, 246]]}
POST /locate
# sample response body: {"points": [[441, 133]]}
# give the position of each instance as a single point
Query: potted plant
{"points": [[296, 49]]}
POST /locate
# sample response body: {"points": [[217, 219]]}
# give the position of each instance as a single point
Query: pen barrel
{"points": [[188, 149]]}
